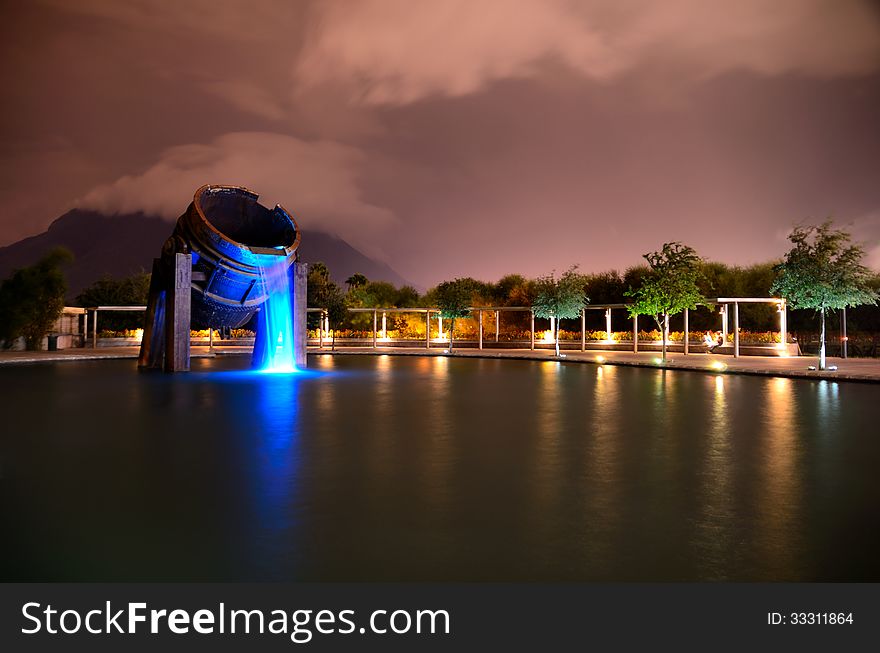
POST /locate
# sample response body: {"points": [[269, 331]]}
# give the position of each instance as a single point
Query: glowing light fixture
{"points": [[600, 359], [718, 366]]}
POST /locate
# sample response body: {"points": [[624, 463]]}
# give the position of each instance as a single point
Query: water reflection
{"points": [[275, 434], [780, 504], [603, 429], [715, 513]]}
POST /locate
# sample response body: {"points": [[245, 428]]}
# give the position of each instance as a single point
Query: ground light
{"points": [[718, 366]]}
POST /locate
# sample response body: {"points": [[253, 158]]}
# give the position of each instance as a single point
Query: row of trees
{"points": [[822, 271]]}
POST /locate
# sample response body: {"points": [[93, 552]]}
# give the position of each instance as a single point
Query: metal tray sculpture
{"points": [[213, 272]]}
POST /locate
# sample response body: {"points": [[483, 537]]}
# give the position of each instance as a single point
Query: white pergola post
{"points": [[497, 324], [384, 326], [736, 329], [481, 329], [686, 338], [320, 331], [843, 338], [583, 329], [635, 334], [608, 324], [783, 326], [532, 329], [724, 324], [427, 328], [95, 329], [375, 320]]}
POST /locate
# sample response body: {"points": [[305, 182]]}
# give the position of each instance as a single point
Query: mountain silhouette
{"points": [[125, 244]]}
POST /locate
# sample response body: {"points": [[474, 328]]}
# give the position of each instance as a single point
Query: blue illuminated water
{"points": [[277, 319]]}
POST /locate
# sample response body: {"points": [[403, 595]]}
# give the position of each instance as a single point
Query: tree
{"points": [[356, 281], [316, 290], [453, 299], [107, 291], [33, 298], [561, 298], [337, 311], [823, 271], [668, 287]]}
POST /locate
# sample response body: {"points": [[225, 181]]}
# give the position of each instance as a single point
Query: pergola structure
{"points": [[726, 304]]}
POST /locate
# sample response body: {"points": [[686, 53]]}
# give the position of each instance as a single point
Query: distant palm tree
{"points": [[356, 280]]}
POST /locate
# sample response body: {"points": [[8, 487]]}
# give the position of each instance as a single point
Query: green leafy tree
{"points": [[33, 298], [668, 287], [356, 281], [337, 309], [317, 288], [453, 298], [823, 271], [559, 298], [107, 291]]}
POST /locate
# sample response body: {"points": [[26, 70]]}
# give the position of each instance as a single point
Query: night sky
{"points": [[455, 137]]}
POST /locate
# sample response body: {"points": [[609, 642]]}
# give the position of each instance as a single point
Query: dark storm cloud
{"points": [[456, 137]]}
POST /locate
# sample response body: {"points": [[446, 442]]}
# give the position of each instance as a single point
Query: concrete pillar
{"points": [[686, 332], [427, 329], [736, 329], [95, 329], [843, 337], [177, 314], [384, 326], [300, 332], [375, 317], [481, 329], [497, 324]]}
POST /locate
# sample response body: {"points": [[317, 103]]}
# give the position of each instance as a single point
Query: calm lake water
{"points": [[406, 468]]}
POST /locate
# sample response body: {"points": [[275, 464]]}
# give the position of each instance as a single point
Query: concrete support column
{"points": [[481, 329], [427, 329], [320, 330], [736, 329], [843, 338], [375, 318], [177, 315], [300, 328], [95, 329], [384, 326], [497, 324]]}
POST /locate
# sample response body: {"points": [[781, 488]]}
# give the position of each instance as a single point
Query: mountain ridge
{"points": [[125, 244]]}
